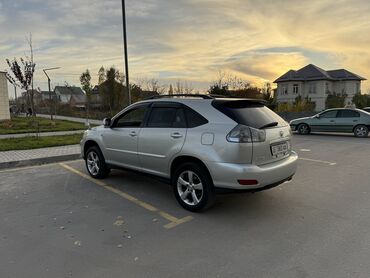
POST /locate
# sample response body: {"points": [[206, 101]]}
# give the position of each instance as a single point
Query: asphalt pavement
{"points": [[57, 222]]}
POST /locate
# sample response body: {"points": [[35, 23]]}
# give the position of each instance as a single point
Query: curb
{"points": [[39, 161]]}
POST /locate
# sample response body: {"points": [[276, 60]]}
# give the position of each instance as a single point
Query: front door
{"points": [[325, 122], [162, 137], [121, 139]]}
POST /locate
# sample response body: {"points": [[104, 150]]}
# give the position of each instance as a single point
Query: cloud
{"points": [[189, 39]]}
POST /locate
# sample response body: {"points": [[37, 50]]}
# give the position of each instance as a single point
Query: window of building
{"points": [[327, 88], [295, 89], [357, 88], [312, 88], [284, 90]]}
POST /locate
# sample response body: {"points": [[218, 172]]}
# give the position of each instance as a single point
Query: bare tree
{"points": [[183, 87], [29, 41], [152, 85], [23, 72]]}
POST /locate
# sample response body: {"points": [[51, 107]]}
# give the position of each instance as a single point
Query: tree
{"points": [[334, 100], [170, 91], [101, 75], [361, 101], [85, 80], [268, 96], [23, 73]]}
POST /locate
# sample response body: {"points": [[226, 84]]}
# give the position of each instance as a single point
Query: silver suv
{"points": [[199, 143]]}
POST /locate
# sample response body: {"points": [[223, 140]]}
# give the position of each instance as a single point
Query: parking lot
{"points": [[57, 222]]}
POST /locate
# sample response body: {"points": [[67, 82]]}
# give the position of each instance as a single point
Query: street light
{"points": [[45, 70], [125, 50]]}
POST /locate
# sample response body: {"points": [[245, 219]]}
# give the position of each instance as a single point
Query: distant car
{"points": [[335, 120], [367, 109]]}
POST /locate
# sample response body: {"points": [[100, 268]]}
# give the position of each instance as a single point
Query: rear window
{"points": [[194, 119], [249, 113]]}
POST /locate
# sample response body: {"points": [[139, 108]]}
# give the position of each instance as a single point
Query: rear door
{"points": [[347, 119], [162, 137]]}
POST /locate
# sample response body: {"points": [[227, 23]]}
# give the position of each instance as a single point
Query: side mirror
{"points": [[317, 116], [107, 122]]}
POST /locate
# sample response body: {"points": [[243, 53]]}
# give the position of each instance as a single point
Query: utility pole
{"points": [[50, 99], [125, 50]]}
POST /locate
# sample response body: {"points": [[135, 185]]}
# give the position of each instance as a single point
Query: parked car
{"points": [[335, 120], [199, 143], [367, 109]]}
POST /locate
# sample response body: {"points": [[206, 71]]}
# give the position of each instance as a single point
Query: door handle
{"points": [[132, 133], [332, 121], [176, 135], [355, 120]]}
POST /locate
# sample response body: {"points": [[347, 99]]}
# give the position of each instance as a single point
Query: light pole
{"points": [[125, 50], [45, 70]]}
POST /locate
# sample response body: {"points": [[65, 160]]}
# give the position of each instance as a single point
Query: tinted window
{"points": [[132, 118], [166, 117], [249, 113], [348, 114], [329, 114], [194, 119]]}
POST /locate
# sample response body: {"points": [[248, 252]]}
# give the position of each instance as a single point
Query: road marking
{"points": [[319, 161], [305, 150], [174, 221]]}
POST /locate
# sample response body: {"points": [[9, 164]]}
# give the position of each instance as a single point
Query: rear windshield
{"points": [[249, 113]]}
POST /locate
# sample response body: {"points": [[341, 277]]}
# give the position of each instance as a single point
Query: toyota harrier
{"points": [[199, 143]]}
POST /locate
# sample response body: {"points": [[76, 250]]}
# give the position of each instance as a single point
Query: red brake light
{"points": [[248, 182]]}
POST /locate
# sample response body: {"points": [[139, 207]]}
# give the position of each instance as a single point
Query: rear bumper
{"points": [[226, 175]]}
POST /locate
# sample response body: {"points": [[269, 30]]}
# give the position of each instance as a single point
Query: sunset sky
{"points": [[188, 40]]}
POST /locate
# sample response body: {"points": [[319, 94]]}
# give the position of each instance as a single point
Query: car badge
{"points": [[281, 133]]}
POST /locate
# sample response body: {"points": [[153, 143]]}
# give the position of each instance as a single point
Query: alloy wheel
{"points": [[93, 163], [361, 131], [190, 188]]}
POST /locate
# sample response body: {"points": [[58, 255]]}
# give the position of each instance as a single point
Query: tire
{"points": [[95, 163], [303, 129], [193, 187], [361, 131]]}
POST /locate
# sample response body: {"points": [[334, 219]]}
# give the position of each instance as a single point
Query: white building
{"points": [[4, 98], [316, 83]]}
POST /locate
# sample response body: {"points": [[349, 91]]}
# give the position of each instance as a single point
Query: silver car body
{"points": [[154, 150]]}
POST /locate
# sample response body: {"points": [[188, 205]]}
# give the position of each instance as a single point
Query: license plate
{"points": [[280, 149]]}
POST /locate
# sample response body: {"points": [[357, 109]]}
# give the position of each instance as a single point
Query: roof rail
{"points": [[182, 95]]}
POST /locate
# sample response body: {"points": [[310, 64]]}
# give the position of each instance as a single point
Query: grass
{"points": [[29, 125], [32, 142]]}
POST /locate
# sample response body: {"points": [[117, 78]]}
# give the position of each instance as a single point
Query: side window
{"points": [[167, 117], [329, 114], [194, 119], [132, 118], [348, 114]]}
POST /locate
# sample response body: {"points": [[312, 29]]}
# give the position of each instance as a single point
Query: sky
{"points": [[187, 40]]}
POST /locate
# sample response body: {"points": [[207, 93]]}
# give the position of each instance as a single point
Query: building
{"points": [[4, 98], [316, 83], [64, 93]]}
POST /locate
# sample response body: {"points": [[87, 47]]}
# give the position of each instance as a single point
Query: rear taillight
{"points": [[246, 134]]}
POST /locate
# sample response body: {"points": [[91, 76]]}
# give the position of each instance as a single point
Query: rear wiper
{"points": [[269, 125]]}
